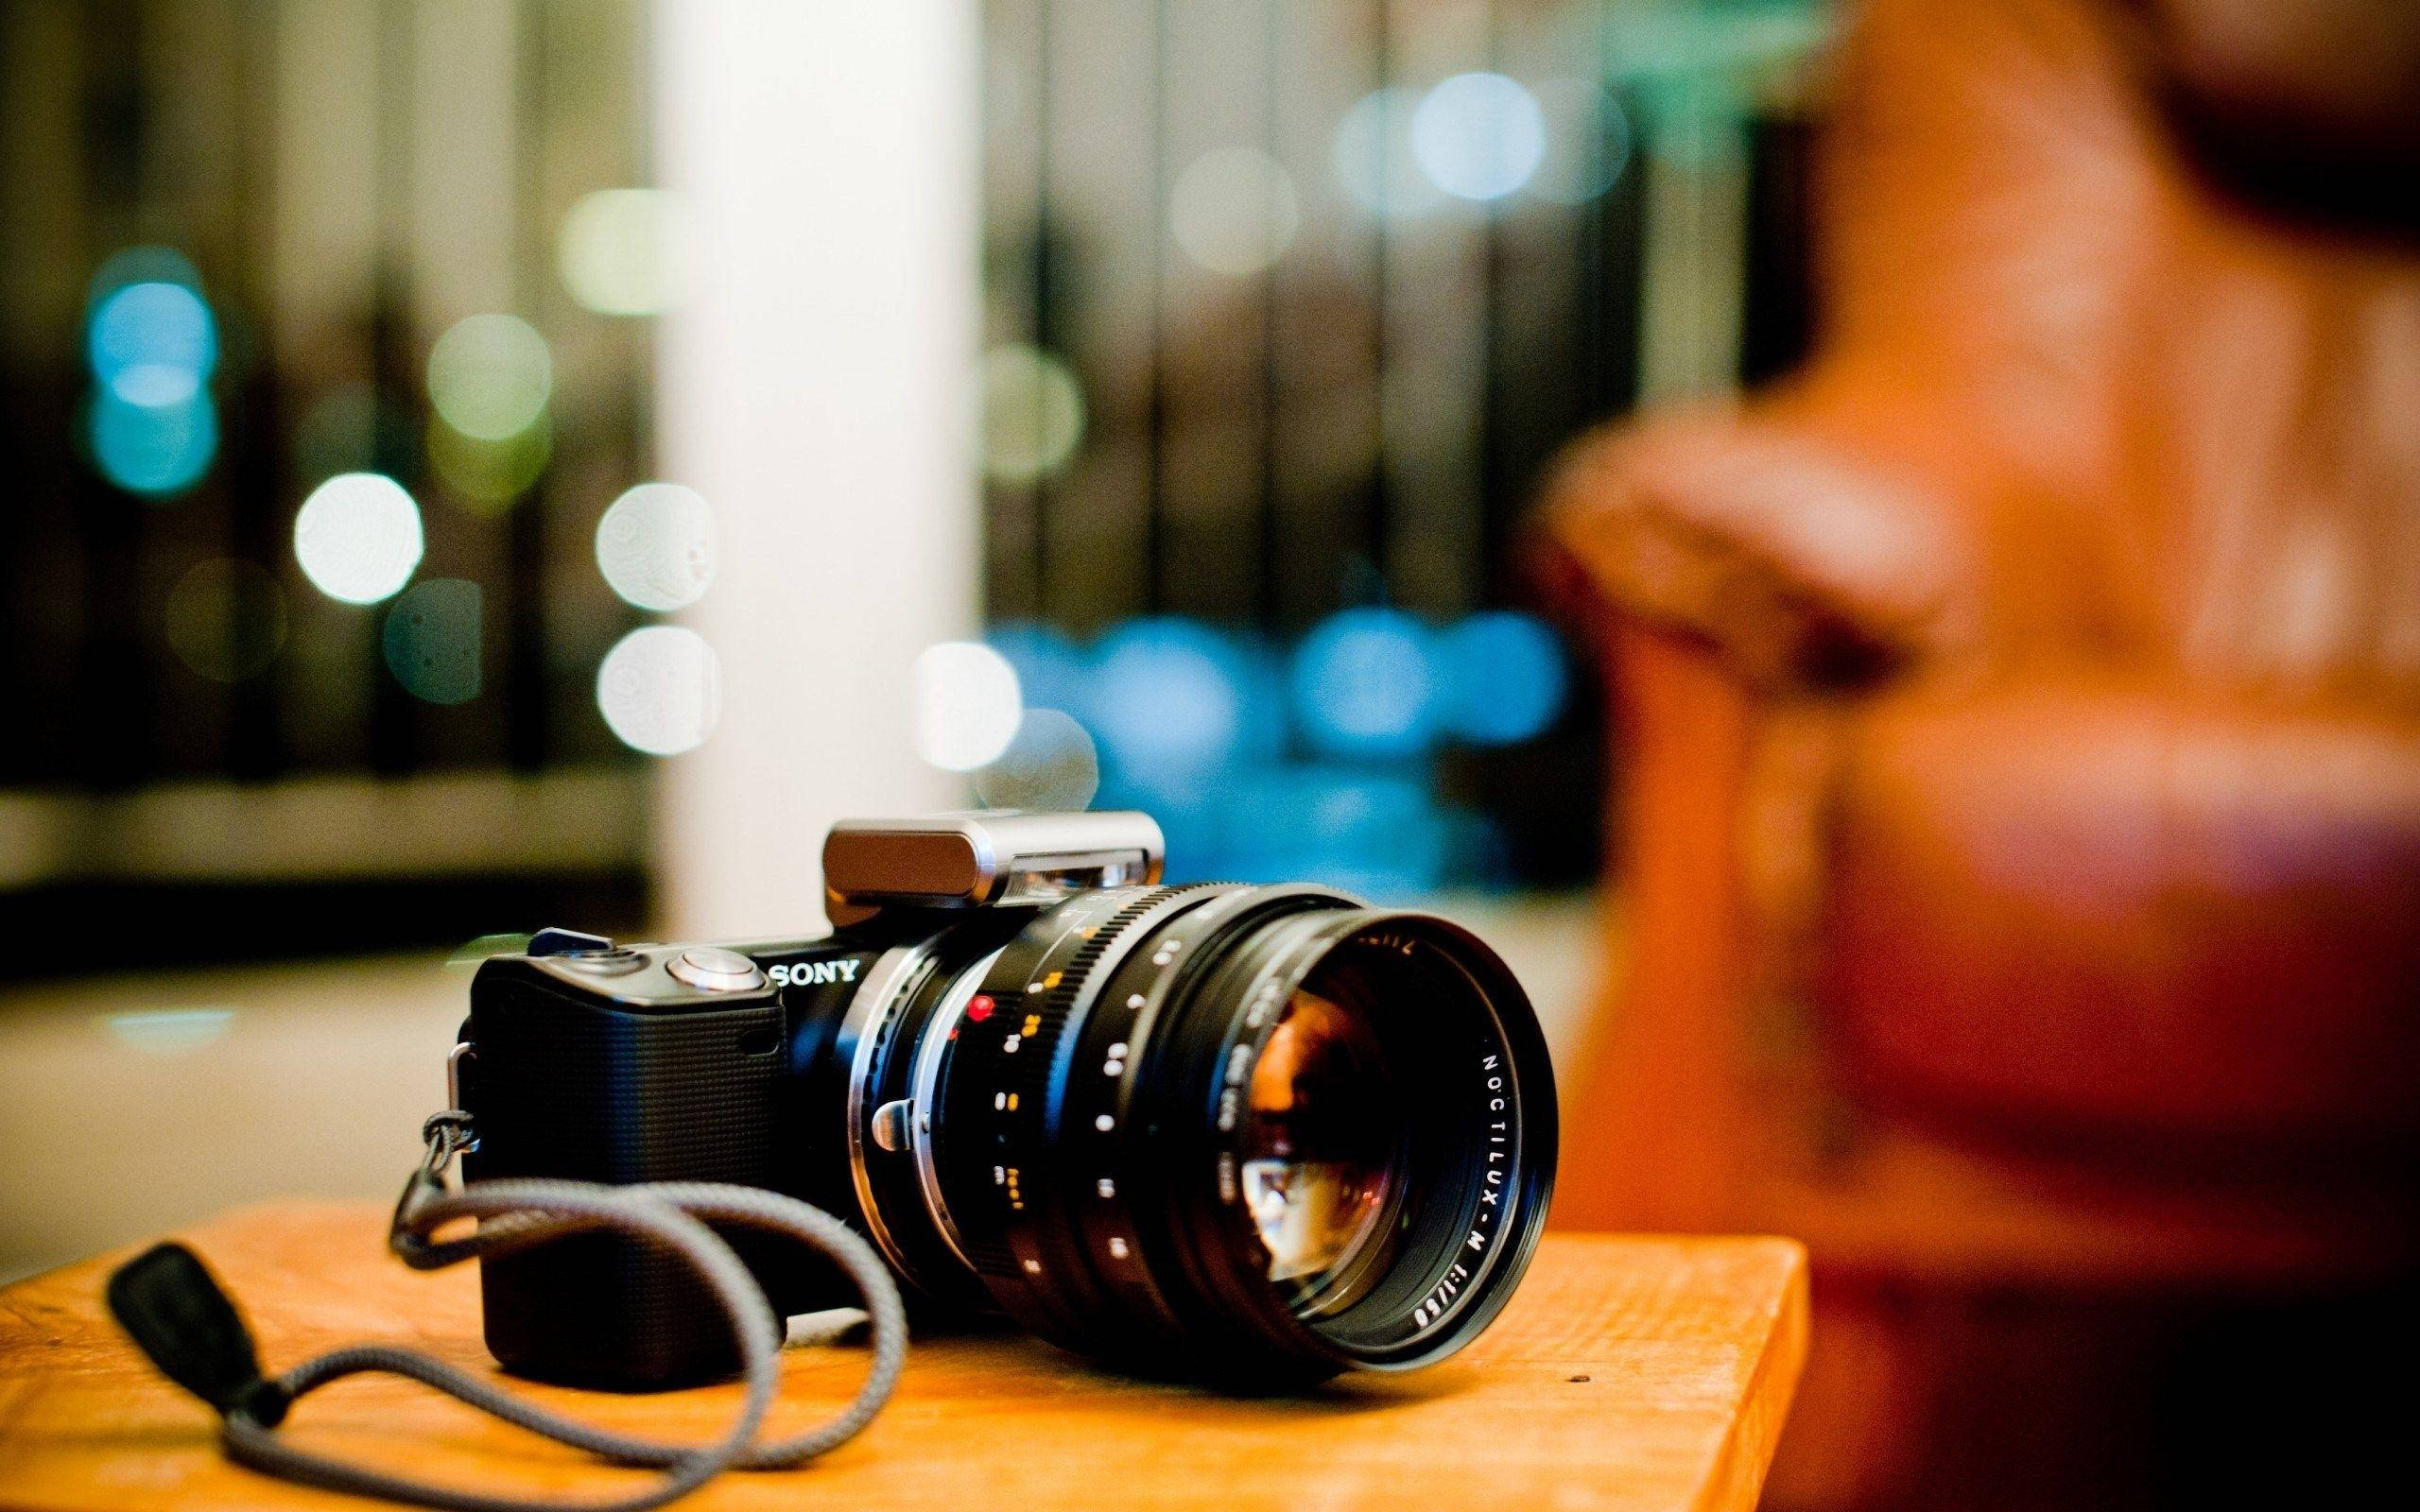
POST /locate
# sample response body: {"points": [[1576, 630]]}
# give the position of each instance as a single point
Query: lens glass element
{"points": [[1323, 1161]]}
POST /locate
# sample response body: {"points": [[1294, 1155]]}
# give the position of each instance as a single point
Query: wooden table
{"points": [[1628, 1373]]}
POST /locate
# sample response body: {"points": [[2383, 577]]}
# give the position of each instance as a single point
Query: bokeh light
{"points": [[659, 689], [626, 251], [1379, 835], [1363, 686], [1033, 413], [152, 343], [489, 476], [152, 325], [1052, 763], [226, 619], [168, 1031], [1050, 669], [655, 547], [489, 376], [432, 640], [1587, 142], [339, 432], [154, 431], [968, 705], [1479, 136], [1374, 160], [1502, 677], [151, 264], [1167, 699], [357, 537], [1234, 211]]}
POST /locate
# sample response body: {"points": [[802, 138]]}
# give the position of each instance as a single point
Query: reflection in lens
{"points": [[1320, 1166]]}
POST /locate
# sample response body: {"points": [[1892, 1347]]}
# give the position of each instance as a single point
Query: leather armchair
{"points": [[2018, 728]]}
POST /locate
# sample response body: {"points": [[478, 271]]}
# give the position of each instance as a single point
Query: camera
{"points": [[1257, 1134]]}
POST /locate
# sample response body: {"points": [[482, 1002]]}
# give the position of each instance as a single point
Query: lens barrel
{"points": [[1257, 1134]]}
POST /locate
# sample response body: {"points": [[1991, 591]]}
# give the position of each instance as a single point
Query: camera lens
{"points": [[1260, 1134]]}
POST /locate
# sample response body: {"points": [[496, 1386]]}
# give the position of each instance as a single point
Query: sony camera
{"points": [[1258, 1134]]}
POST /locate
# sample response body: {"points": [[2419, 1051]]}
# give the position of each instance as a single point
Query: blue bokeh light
{"points": [[154, 449], [1381, 836], [1050, 668], [1317, 765], [152, 324], [1479, 136], [1502, 679], [151, 264], [1363, 686], [1167, 698]]}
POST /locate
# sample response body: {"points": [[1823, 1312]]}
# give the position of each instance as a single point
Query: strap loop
{"points": [[515, 1214]]}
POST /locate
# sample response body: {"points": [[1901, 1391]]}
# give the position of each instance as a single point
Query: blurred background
{"points": [[481, 464]]}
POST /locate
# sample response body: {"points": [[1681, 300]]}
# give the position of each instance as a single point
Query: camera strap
{"points": [[176, 1310]]}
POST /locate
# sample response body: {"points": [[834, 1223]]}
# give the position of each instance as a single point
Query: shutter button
{"points": [[715, 970]]}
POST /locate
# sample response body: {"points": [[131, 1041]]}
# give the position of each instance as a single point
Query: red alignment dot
{"points": [[979, 1008]]}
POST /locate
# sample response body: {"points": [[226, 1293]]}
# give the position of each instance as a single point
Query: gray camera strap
{"points": [[173, 1308]]}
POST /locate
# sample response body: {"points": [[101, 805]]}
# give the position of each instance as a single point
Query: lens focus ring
{"points": [[1010, 1119]]}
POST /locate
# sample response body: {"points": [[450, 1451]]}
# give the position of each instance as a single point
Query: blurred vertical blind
{"points": [[315, 192], [324, 351], [1289, 306]]}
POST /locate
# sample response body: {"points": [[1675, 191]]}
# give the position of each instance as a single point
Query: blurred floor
{"points": [[132, 1104]]}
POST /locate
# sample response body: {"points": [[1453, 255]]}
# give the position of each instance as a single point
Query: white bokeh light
{"points": [[1234, 211], [1033, 412], [656, 546], [1479, 136], [659, 689], [968, 705], [490, 375], [626, 251], [357, 537], [1052, 765], [1587, 142], [1373, 156]]}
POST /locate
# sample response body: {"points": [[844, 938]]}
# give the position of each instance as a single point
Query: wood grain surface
{"points": [[1628, 1373]]}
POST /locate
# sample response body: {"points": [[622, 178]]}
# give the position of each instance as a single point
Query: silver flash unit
{"points": [[979, 859]]}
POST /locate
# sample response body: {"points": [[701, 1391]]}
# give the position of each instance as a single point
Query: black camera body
{"points": [[1259, 1133], [600, 1065]]}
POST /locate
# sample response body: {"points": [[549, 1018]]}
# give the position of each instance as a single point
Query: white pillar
{"points": [[815, 388]]}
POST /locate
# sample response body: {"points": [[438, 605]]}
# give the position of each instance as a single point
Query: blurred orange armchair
{"points": [[2019, 719]]}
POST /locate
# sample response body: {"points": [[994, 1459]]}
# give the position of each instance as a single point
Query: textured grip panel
{"points": [[576, 1088]]}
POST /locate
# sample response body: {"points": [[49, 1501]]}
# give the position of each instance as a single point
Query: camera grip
{"points": [[585, 1089]]}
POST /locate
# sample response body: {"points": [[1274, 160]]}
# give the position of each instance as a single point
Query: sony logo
{"points": [[813, 973]]}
